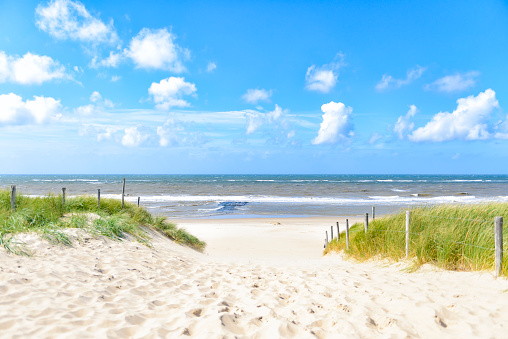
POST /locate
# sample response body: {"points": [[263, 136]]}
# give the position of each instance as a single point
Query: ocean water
{"points": [[218, 196]]}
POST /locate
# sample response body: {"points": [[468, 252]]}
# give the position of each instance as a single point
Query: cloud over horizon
{"points": [[336, 124], [388, 82]]}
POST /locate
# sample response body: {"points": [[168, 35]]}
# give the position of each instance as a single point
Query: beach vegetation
{"points": [[49, 217], [455, 237]]}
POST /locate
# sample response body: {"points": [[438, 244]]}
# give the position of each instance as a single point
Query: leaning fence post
{"points": [[373, 212], [499, 245], [13, 198], [99, 198], [138, 200], [407, 234], [326, 238], [347, 234], [63, 196], [331, 233], [338, 231], [123, 192], [366, 225]]}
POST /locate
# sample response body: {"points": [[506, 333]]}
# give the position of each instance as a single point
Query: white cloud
{"points": [[115, 78], [168, 133], [468, 122], [156, 49], [375, 137], [387, 81], [30, 69], [211, 67], [336, 123], [98, 105], [66, 19], [15, 111], [96, 96], [322, 79], [113, 60], [133, 137], [454, 83], [169, 92], [255, 120], [253, 96], [404, 125]]}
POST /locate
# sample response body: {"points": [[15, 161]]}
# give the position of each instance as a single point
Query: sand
{"points": [[259, 278]]}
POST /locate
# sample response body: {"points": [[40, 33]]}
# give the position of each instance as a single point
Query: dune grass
{"points": [[47, 216], [455, 237]]}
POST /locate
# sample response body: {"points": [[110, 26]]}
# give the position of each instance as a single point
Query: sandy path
{"points": [[102, 288]]}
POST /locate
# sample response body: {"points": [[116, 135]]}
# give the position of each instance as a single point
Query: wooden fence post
{"points": [[331, 233], [63, 196], [407, 234], [326, 233], [338, 231], [499, 245], [138, 200], [347, 234], [373, 212], [99, 198], [123, 192], [13, 198], [366, 225]]}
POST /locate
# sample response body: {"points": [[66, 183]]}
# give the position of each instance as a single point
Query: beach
{"points": [[258, 278]]}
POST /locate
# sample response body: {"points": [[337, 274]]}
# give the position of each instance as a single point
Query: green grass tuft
{"points": [[47, 216], [455, 237]]}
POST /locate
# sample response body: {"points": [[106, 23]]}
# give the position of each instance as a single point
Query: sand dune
{"points": [[102, 288]]}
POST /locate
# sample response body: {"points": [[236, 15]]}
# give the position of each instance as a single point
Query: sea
{"points": [[241, 196]]}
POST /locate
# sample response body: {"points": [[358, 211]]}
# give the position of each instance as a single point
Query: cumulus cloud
{"points": [[169, 92], [211, 67], [404, 125], [468, 122], [156, 49], [323, 79], [387, 81], [113, 60], [168, 133], [15, 111], [66, 19], [253, 96], [30, 69], [336, 124], [134, 137], [98, 105], [454, 83], [257, 119]]}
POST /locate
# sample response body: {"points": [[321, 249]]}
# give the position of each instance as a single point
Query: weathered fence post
{"points": [[366, 225], [123, 192], [138, 200], [331, 233], [63, 196], [13, 198], [99, 198], [373, 212], [407, 234], [338, 231], [499, 245], [347, 234], [326, 238]]}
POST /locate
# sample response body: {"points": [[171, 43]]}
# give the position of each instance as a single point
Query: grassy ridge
{"points": [[45, 215], [456, 237]]}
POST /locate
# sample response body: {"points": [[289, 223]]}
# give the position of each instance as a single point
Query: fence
{"points": [[418, 221], [64, 190]]}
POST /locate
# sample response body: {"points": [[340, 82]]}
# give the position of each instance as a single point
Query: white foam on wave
{"points": [[379, 200]]}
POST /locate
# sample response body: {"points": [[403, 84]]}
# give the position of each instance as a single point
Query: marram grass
{"points": [[47, 216], [455, 237]]}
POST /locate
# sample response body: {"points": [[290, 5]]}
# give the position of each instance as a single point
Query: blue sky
{"points": [[253, 87]]}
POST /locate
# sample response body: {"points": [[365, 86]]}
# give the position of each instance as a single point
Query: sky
{"points": [[253, 87]]}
